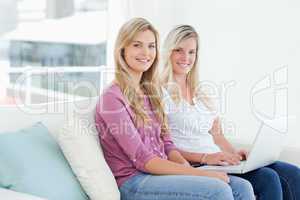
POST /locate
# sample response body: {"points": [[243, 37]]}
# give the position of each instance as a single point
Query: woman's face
{"points": [[183, 56], [141, 52]]}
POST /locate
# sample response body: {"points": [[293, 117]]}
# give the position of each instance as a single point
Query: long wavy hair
{"points": [[175, 36], [149, 80]]}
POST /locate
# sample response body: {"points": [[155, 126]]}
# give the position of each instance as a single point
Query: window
{"points": [[42, 41]]}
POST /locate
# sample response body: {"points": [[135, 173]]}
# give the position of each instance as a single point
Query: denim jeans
{"points": [[181, 187], [277, 181]]}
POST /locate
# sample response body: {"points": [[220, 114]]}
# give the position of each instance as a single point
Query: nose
{"points": [[184, 56], [145, 50]]}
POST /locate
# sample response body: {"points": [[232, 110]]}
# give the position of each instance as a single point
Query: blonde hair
{"points": [[149, 79], [175, 36]]}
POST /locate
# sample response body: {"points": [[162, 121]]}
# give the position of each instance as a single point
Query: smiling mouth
{"points": [[143, 60], [183, 65]]}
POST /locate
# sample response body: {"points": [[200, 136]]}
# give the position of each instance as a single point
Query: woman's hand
{"points": [[219, 175], [221, 158], [243, 154], [175, 156], [186, 163]]}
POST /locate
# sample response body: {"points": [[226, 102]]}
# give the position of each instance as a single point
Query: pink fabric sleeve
{"points": [[120, 125]]}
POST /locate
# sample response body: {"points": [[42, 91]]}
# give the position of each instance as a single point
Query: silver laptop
{"points": [[265, 150]]}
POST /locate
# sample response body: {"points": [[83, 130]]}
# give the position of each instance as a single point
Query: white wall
{"points": [[242, 43], [245, 41]]}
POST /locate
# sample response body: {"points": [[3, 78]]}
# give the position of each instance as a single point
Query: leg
{"points": [[241, 188], [265, 182], [290, 179], [172, 187]]}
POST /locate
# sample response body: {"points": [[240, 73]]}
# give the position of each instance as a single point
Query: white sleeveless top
{"points": [[190, 124]]}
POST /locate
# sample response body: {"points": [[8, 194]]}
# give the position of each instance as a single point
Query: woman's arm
{"points": [[228, 156], [219, 138], [175, 156], [160, 166], [171, 150], [224, 144], [219, 158], [193, 157]]}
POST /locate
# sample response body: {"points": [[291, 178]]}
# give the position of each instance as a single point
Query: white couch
{"points": [[53, 116]]}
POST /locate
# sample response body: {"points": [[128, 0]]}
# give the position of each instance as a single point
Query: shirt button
{"points": [[134, 160], [155, 148], [152, 138]]}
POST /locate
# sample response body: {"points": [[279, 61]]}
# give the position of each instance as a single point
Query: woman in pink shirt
{"points": [[134, 133]]}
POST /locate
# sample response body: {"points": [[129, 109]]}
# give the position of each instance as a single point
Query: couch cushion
{"points": [[32, 162], [79, 141], [12, 195]]}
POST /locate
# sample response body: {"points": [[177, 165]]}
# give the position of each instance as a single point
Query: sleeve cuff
{"points": [[170, 148], [141, 162], [168, 144]]}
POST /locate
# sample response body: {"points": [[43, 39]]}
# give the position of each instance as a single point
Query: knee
{"points": [[283, 166], [286, 170], [292, 173], [245, 190], [224, 191], [269, 177]]}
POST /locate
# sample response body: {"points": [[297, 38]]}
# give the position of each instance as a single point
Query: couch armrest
{"points": [[12, 195]]}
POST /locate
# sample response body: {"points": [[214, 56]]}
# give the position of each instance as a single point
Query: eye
{"points": [[192, 52], [152, 46], [137, 45], [177, 50]]}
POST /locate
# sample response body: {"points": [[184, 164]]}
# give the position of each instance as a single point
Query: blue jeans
{"points": [[275, 182], [180, 187]]}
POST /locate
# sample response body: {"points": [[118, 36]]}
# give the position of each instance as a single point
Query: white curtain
{"points": [[8, 22], [8, 15], [59, 8]]}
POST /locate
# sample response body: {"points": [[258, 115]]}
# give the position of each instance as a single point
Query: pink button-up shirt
{"points": [[128, 148]]}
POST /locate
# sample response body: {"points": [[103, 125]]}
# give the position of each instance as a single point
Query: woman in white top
{"points": [[196, 128]]}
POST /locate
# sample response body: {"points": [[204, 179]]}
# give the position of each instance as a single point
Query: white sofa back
{"points": [[50, 114]]}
